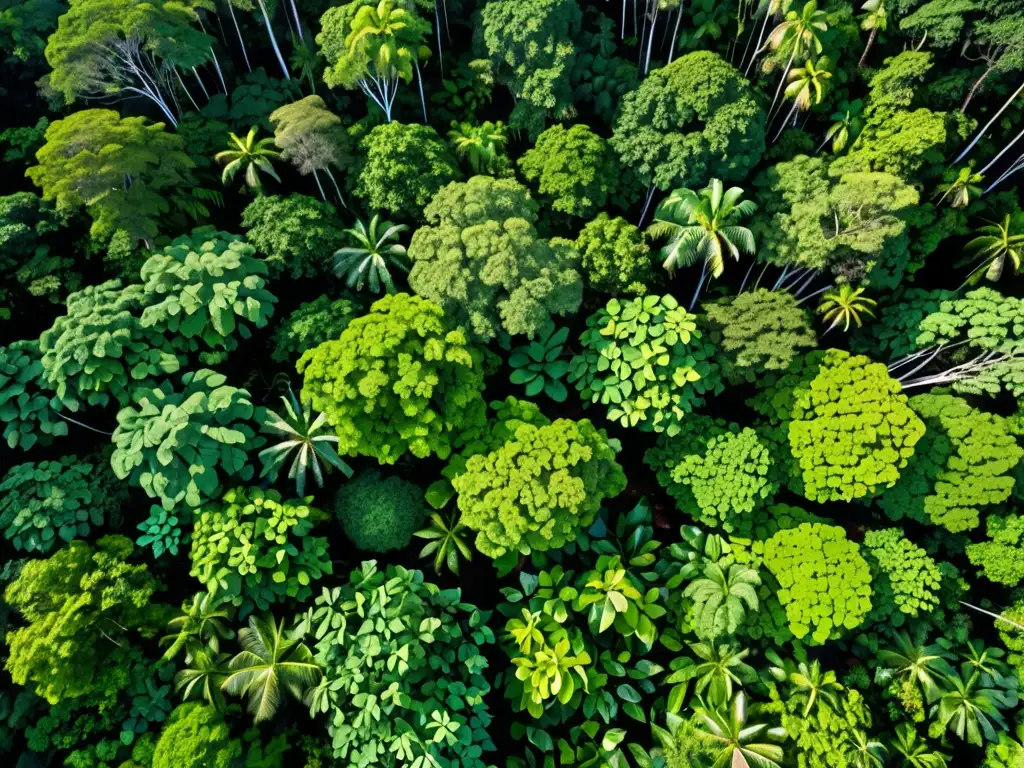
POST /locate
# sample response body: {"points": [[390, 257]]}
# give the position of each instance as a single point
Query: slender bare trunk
{"points": [[867, 48], [185, 88], [650, 39], [202, 85], [298, 24], [423, 100], [988, 125], [238, 31], [760, 45], [782, 81], [975, 87], [675, 34], [437, 23], [1002, 152], [273, 40], [319, 186]]}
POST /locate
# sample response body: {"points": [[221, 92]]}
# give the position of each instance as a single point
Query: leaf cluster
{"points": [[380, 514]]}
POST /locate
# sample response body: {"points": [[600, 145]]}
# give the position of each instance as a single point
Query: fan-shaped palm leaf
{"points": [[200, 622], [845, 305], [997, 243], [250, 154], [369, 261], [959, 191], [733, 742]]}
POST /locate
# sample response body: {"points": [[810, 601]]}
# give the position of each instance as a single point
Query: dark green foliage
{"points": [[296, 235], [379, 515], [313, 323], [615, 257], [161, 532], [38, 263], [29, 415], [538, 364], [53, 502]]}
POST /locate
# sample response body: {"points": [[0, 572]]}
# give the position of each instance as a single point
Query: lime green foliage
{"points": [[573, 170], [717, 473], [99, 350], [403, 670], [529, 43], [400, 379], [615, 257], [757, 332], [161, 532], [380, 515], [647, 361], [481, 258], [963, 465], [1001, 559], [196, 736], [72, 604], [539, 488], [826, 736], [177, 446], [1011, 636], [537, 364], [30, 416], [86, 158], [825, 584], [695, 117], [313, 323], [849, 428], [255, 549], [295, 234], [403, 168], [905, 580], [47, 504], [206, 290]]}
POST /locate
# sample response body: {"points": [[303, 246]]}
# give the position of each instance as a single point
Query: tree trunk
{"points": [[988, 125], [675, 35], [273, 40], [647, 205], [760, 45], [700, 284], [867, 48], [238, 31], [440, 53], [975, 87], [336, 187], [622, 33], [319, 185], [202, 85], [650, 39], [1002, 152], [423, 100], [782, 81], [185, 88], [298, 24]]}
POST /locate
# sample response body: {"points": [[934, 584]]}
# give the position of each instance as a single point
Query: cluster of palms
{"points": [[272, 659]]}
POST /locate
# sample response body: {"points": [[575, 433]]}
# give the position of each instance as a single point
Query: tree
{"points": [[961, 188], [916, 751], [1000, 44], [100, 351], [923, 665], [702, 226], [875, 19], [971, 709], [573, 170], [801, 34], [615, 257], [252, 155], [647, 361], [905, 579], [372, 46], [304, 436], [847, 123], [997, 242], [529, 43], [367, 261], [721, 599], [206, 290], [196, 736], [732, 740], [757, 332], [312, 138], [380, 514], [962, 466], [481, 259], [40, 265], [402, 168], [200, 624], [807, 86], [295, 234], [825, 584], [838, 455], [82, 608], [695, 117], [483, 146], [104, 47], [377, 404], [271, 659], [313, 323], [175, 445], [1001, 559], [122, 170], [845, 305]]}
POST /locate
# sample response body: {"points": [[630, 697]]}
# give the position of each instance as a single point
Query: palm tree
{"points": [[810, 683], [961, 188], [806, 88], [926, 665], [865, 752], [846, 305], [719, 598], [996, 243], [369, 259], [271, 659], [874, 19], [717, 669], [969, 711], [733, 742], [445, 541], [205, 674], [802, 33], [915, 750], [198, 624], [250, 154], [703, 226], [308, 438], [771, 9], [482, 145], [847, 123]]}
